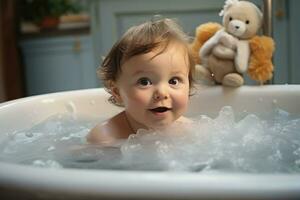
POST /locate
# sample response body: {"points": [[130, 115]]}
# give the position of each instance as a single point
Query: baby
{"points": [[149, 73]]}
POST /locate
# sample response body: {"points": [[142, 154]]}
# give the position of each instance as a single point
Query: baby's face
{"points": [[155, 88]]}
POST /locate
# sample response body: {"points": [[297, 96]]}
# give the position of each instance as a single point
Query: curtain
{"points": [[2, 92], [11, 83]]}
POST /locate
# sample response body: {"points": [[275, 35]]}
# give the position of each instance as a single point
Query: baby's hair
{"points": [[142, 39]]}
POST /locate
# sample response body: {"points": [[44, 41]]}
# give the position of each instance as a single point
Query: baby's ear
{"points": [[116, 93]]}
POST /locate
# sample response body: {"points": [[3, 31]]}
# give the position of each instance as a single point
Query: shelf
{"points": [[55, 33]]}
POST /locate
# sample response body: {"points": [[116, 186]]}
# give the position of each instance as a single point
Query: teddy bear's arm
{"points": [[242, 56], [208, 46]]}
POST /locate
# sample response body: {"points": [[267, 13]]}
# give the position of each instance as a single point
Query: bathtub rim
{"points": [[102, 91], [146, 184]]}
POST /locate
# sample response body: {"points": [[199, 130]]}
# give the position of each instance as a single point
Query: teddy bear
{"points": [[225, 53]]}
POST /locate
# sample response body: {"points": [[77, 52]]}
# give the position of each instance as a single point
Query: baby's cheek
{"points": [[181, 100], [184, 103], [139, 98]]}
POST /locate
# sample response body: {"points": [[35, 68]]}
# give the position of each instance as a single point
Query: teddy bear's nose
{"points": [[237, 27]]}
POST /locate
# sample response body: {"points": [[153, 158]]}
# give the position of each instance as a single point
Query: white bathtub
{"points": [[18, 181]]}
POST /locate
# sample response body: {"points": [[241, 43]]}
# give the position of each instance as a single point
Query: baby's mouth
{"points": [[161, 109]]}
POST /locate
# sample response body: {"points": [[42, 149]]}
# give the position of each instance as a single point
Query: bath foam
{"points": [[250, 144], [231, 142]]}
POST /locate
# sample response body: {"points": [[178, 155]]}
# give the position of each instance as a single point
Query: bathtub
{"points": [[26, 182]]}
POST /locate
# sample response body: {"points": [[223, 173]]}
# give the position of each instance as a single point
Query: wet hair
{"points": [[142, 39]]}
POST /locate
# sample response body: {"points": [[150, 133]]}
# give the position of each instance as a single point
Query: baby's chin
{"points": [[162, 125]]}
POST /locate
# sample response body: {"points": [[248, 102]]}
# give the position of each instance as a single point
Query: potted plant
{"points": [[46, 13]]}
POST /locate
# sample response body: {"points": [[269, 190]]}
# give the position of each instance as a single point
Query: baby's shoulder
{"points": [[99, 134], [109, 131]]}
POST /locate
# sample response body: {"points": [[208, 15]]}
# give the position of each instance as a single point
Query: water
{"points": [[244, 142]]}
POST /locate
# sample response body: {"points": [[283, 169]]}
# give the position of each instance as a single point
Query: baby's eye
{"points": [[174, 81], [144, 81]]}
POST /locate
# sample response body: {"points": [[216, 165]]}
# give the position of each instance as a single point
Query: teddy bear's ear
{"points": [[227, 5]]}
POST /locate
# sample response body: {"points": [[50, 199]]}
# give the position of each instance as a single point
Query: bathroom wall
{"points": [[294, 41], [112, 18], [286, 31]]}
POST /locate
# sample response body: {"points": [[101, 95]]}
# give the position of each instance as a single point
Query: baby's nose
{"points": [[160, 94]]}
